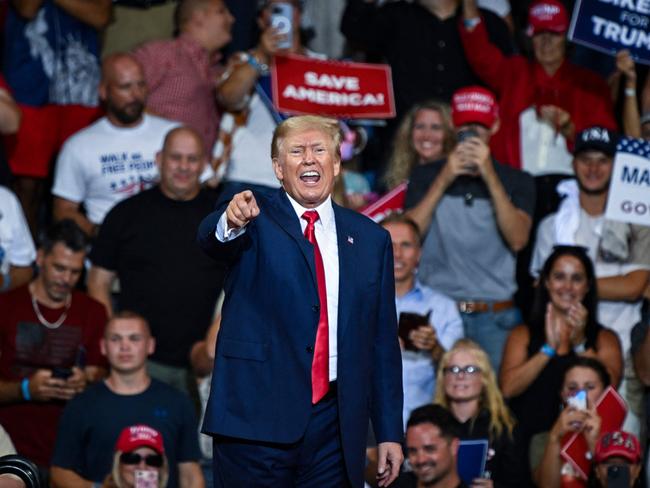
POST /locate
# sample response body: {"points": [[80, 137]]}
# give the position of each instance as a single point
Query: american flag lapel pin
{"points": [[350, 240]]}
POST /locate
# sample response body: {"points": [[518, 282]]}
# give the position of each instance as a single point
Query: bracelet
{"points": [[24, 388], [548, 350], [261, 68], [630, 92]]}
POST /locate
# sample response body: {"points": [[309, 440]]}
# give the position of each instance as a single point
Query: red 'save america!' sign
{"points": [[304, 85]]}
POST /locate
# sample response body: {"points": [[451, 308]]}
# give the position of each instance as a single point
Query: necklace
{"points": [[44, 321]]}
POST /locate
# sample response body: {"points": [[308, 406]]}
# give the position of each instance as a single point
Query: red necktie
{"points": [[320, 364]]}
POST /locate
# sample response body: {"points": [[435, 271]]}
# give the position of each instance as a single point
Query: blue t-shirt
{"points": [[93, 420], [53, 58]]}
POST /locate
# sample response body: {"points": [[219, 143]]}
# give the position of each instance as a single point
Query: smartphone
{"points": [[578, 401], [618, 476], [146, 478], [61, 373], [407, 322], [281, 17], [80, 360], [466, 134]]}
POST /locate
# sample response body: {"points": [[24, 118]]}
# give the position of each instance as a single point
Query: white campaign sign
{"points": [[629, 192]]}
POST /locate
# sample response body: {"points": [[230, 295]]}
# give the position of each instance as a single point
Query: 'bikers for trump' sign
{"points": [[612, 25], [304, 85]]}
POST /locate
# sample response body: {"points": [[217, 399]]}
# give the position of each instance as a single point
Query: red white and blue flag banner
{"points": [[611, 25], [629, 190], [303, 85]]}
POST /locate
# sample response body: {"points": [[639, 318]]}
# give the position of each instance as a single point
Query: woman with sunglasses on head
{"points": [[467, 387], [139, 453], [562, 325], [584, 374]]}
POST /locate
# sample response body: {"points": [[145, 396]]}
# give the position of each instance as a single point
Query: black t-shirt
{"points": [[150, 241], [93, 420], [424, 52]]}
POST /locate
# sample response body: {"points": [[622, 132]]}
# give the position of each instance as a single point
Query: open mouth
{"points": [[310, 177]]}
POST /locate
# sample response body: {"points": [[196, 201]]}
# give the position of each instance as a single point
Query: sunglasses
{"points": [[456, 370], [153, 460]]}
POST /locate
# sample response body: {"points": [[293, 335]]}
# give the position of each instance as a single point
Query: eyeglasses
{"points": [[456, 370], [153, 460]]}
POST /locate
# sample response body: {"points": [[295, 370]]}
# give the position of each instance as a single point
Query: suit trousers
{"points": [[316, 460]]}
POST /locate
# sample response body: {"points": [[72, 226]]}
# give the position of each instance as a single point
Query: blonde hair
{"points": [[404, 156], [303, 123], [491, 399], [116, 479]]}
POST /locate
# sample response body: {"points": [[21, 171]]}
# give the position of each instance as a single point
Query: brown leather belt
{"points": [[470, 306]]}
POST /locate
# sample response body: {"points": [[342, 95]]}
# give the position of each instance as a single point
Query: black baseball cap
{"points": [[596, 139]]}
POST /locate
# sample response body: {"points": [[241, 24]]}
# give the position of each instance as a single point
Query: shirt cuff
{"points": [[224, 234]]}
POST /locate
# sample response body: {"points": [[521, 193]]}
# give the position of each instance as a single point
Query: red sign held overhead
{"points": [[340, 89]]}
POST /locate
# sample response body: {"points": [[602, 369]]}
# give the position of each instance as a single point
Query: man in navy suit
{"points": [[308, 348]]}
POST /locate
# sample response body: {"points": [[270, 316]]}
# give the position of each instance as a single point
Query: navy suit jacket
{"points": [[261, 383]]}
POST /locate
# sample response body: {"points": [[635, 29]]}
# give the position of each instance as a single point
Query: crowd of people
{"points": [[523, 312]]}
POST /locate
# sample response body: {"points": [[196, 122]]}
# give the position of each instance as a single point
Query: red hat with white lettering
{"points": [[618, 444], [474, 105], [547, 16], [140, 436]]}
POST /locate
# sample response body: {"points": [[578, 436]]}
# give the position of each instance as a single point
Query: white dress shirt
{"points": [[325, 230]]}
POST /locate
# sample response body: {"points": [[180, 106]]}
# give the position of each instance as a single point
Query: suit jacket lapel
{"points": [[281, 211], [345, 235]]}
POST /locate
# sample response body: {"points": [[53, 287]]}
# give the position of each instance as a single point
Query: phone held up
{"points": [[146, 478], [281, 17], [618, 476]]}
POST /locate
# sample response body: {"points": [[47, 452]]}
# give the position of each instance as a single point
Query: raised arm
{"points": [[518, 371], [485, 58], [241, 75], [626, 70], [514, 224]]}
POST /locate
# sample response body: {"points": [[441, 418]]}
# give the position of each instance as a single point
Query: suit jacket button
{"points": [[309, 349], [315, 308]]}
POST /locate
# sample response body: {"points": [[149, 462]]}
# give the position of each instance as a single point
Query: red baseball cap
{"points": [[618, 444], [140, 436], [474, 105], [547, 16]]}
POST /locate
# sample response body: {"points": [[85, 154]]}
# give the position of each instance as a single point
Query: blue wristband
{"points": [[261, 68], [24, 387], [548, 350]]}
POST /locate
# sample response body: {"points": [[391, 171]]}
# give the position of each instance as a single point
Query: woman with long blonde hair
{"points": [[425, 135], [467, 387]]}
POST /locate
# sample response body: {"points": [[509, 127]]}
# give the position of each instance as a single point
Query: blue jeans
{"points": [[490, 330]]}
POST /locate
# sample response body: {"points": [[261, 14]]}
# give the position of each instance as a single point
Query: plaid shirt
{"points": [[181, 76]]}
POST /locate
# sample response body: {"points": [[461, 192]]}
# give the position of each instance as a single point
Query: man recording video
{"points": [[617, 460]]}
